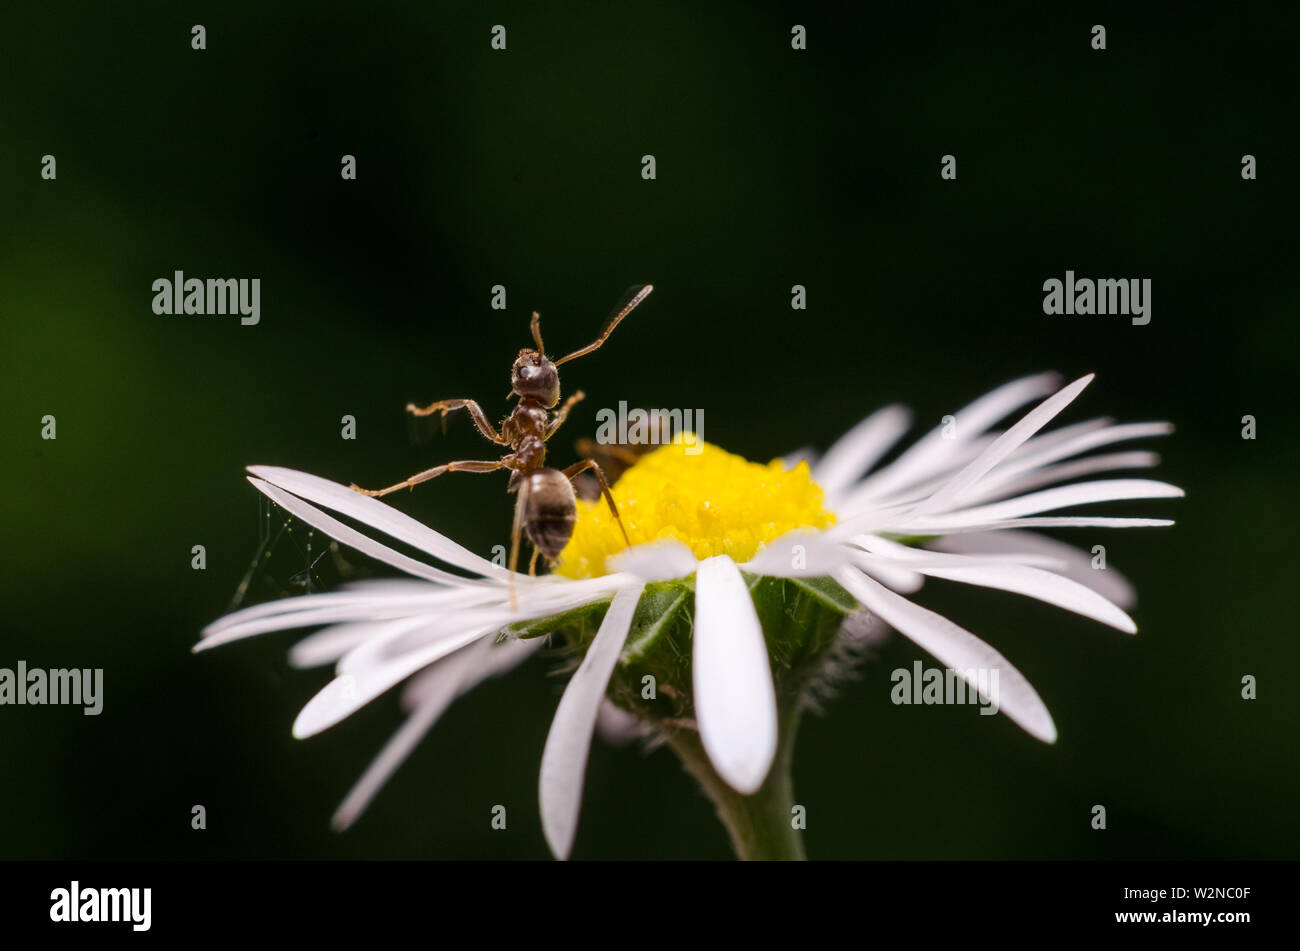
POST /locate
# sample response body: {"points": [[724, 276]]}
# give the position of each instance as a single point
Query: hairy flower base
{"points": [[799, 617]]}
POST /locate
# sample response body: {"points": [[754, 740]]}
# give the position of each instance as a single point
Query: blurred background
{"points": [[522, 167]]}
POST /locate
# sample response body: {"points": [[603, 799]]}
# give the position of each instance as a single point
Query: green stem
{"points": [[760, 825]]}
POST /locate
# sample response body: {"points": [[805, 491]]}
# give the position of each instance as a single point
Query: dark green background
{"points": [[523, 168]]}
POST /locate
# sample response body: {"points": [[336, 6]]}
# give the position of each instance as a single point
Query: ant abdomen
{"points": [[550, 509]]}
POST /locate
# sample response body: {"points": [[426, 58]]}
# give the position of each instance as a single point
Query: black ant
{"points": [[546, 508]]}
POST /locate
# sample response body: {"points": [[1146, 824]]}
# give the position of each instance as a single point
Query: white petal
{"points": [[1061, 435], [328, 645], [616, 726], [864, 496], [1082, 493], [498, 659], [440, 685], [655, 561], [1038, 456], [354, 539], [1077, 563], [995, 486], [932, 450], [902, 580], [735, 700], [1042, 585], [541, 602], [885, 519], [316, 609], [1039, 444], [956, 648], [919, 558], [407, 635], [798, 554], [347, 693], [806, 454], [1043, 521], [862, 629], [976, 417], [860, 448], [376, 514], [1003, 446], [355, 593], [564, 761], [547, 600], [958, 456]]}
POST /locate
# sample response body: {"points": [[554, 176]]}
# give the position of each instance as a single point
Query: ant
{"points": [[546, 507]]}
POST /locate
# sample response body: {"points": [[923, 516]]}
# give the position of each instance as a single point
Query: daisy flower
{"points": [[710, 630]]}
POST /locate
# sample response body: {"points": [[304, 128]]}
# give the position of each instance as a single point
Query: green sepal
{"points": [[799, 617]]}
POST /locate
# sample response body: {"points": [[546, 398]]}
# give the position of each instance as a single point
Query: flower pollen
{"points": [[714, 502]]}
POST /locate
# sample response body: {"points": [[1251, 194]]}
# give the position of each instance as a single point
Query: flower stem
{"points": [[760, 825]]}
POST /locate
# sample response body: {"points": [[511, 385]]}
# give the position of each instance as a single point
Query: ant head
{"points": [[534, 377]]}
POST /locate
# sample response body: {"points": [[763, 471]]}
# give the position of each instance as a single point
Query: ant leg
{"points": [[580, 467], [516, 533], [588, 447], [532, 564], [475, 411], [563, 413], [427, 474]]}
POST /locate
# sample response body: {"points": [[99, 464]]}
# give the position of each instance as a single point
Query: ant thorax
{"points": [[525, 429], [527, 419], [530, 455]]}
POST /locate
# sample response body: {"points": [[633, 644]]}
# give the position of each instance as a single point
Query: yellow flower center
{"points": [[714, 502]]}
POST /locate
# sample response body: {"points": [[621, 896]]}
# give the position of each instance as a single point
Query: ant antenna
{"points": [[537, 333], [627, 308]]}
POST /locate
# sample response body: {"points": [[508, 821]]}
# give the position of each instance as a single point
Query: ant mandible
{"points": [[546, 507]]}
